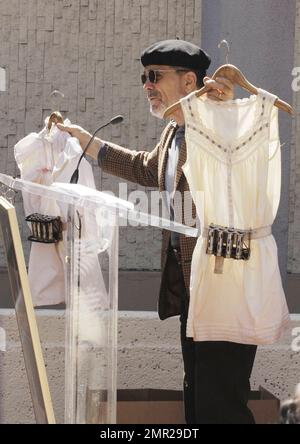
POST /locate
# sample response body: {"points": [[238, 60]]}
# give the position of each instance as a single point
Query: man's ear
{"points": [[190, 81]]}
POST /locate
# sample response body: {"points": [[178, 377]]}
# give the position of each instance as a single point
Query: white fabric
{"points": [[44, 158], [233, 156]]}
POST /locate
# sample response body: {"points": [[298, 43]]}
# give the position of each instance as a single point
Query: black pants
{"points": [[216, 380]]}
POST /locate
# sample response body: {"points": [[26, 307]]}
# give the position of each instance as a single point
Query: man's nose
{"points": [[148, 85]]}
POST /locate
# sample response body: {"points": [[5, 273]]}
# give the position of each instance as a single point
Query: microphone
{"points": [[113, 121]]}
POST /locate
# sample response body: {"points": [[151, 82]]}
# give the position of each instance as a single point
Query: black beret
{"points": [[176, 53]]}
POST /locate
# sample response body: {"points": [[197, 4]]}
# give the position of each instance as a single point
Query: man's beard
{"points": [[156, 111]]}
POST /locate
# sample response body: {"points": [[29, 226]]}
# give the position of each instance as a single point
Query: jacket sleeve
{"points": [[135, 166]]}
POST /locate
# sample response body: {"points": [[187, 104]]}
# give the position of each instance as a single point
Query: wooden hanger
{"points": [[56, 97], [233, 74], [55, 117]]}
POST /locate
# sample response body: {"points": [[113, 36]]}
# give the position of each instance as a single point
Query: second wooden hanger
{"points": [[233, 74]]}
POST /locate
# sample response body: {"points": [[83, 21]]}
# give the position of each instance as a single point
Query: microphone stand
{"points": [[74, 235], [113, 121]]}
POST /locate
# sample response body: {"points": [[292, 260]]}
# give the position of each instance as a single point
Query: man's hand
{"points": [[83, 136], [220, 89], [76, 131]]}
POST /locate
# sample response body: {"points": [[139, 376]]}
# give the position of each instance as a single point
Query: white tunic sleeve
{"points": [[30, 157]]}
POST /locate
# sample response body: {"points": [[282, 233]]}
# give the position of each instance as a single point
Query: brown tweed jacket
{"points": [[148, 169]]}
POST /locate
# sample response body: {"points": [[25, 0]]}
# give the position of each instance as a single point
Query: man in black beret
{"points": [[216, 380], [178, 58]]}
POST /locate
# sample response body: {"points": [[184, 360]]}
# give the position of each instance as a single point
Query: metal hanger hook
{"points": [[56, 92], [56, 99], [225, 43]]}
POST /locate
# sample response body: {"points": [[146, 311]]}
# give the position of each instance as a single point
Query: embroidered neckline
{"points": [[229, 147], [239, 142]]}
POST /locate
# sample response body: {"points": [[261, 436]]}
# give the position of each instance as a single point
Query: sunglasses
{"points": [[154, 75]]}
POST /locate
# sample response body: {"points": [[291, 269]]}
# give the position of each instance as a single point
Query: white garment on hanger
{"points": [[233, 156], [45, 158]]}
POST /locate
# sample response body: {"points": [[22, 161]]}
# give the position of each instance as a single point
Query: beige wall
{"points": [[294, 214], [89, 50]]}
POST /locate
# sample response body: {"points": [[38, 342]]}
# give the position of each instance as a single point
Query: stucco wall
{"points": [[90, 51], [149, 356]]}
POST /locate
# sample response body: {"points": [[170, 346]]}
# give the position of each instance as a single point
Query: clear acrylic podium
{"points": [[89, 253]]}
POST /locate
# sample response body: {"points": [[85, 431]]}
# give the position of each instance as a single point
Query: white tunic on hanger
{"points": [[45, 158], [233, 156]]}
